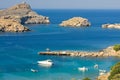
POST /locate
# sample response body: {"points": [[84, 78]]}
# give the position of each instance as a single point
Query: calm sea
{"points": [[18, 51]]}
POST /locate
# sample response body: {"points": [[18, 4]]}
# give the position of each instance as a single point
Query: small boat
{"points": [[83, 69], [102, 72], [96, 66], [33, 70], [46, 63]]}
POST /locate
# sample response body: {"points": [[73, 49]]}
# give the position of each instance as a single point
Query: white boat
{"points": [[33, 70], [102, 72], [96, 66], [83, 69], [46, 63]]}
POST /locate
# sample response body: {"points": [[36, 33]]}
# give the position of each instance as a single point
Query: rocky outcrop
{"points": [[116, 26], [103, 77], [23, 14], [8, 25], [11, 19], [76, 22]]}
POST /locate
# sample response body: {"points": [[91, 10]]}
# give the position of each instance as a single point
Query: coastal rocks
{"points": [[76, 22], [11, 19], [103, 77], [8, 25], [116, 26], [23, 14]]}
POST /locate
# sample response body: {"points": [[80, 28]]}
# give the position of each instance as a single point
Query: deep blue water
{"points": [[18, 51]]}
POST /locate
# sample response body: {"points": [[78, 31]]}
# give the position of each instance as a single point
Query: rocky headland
{"points": [[8, 25], [76, 22], [21, 14], [115, 26]]}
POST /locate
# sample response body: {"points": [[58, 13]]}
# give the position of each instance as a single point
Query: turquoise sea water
{"points": [[18, 51]]}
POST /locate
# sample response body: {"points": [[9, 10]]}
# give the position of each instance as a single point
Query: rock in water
{"points": [[23, 14], [115, 26], [8, 25], [76, 22]]}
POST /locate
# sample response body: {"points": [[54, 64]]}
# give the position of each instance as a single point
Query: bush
{"points": [[86, 78], [116, 47], [115, 72]]}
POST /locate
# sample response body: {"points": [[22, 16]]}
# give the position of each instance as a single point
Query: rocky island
{"points": [[76, 22], [115, 26], [20, 14]]}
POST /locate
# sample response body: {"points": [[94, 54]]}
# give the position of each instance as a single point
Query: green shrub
{"points": [[86, 78], [116, 47], [115, 72]]}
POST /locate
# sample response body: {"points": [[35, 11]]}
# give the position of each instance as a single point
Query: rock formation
{"points": [[116, 26], [23, 14], [11, 19], [8, 25], [76, 22], [103, 77]]}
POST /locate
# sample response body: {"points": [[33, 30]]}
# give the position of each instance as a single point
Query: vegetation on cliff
{"points": [[116, 47], [115, 72], [86, 78]]}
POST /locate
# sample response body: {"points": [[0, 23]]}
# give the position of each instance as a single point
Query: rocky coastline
{"points": [[115, 26], [103, 77], [108, 52], [21, 14], [76, 22], [7, 25]]}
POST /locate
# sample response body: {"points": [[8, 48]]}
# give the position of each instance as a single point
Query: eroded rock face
{"points": [[76, 22], [23, 14], [8, 25], [116, 26], [103, 77]]}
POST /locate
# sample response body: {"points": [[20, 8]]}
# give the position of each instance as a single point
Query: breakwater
{"points": [[108, 52]]}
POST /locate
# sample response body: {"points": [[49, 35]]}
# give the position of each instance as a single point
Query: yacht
{"points": [[96, 66], [102, 72], [46, 63], [83, 69]]}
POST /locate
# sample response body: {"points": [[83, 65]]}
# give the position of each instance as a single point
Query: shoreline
{"points": [[104, 76], [108, 52]]}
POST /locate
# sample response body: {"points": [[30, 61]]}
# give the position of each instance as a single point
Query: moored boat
{"points": [[46, 63]]}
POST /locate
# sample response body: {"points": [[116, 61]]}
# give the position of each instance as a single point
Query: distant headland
{"points": [[21, 14]]}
